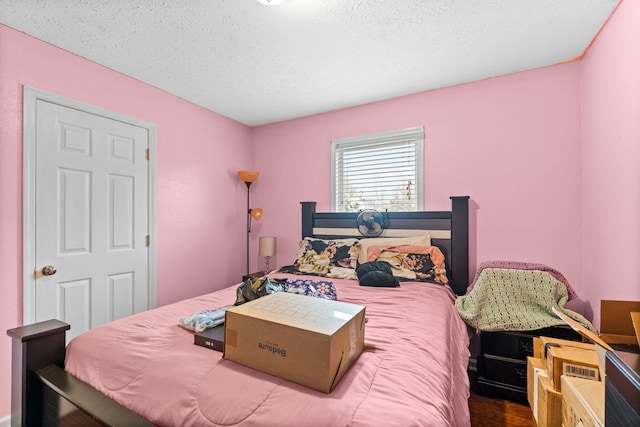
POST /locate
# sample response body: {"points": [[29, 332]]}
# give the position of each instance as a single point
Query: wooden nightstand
{"points": [[255, 275], [502, 362]]}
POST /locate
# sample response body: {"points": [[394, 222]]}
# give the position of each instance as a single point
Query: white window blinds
{"points": [[381, 171]]}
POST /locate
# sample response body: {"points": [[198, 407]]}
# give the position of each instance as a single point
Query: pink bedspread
{"points": [[412, 374]]}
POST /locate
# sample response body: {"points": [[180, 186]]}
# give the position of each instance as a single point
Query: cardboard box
{"points": [[306, 340], [542, 345], [549, 404], [594, 338], [536, 348], [616, 325], [582, 402], [635, 319], [572, 361], [536, 368]]}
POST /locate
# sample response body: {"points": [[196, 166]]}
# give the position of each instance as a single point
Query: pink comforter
{"points": [[413, 372]]}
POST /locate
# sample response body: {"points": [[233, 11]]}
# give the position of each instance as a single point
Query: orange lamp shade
{"points": [[248, 176], [257, 213]]}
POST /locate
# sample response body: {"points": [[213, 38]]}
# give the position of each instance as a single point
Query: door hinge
{"points": [[148, 154], [148, 240]]}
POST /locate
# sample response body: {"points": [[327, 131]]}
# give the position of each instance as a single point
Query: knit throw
{"points": [[505, 299], [519, 265]]}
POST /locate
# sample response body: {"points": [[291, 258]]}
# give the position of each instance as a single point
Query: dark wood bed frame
{"points": [[42, 393], [449, 229]]}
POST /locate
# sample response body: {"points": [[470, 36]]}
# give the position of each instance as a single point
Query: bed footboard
{"points": [[42, 393]]}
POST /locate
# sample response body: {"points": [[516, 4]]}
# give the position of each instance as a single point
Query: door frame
{"points": [[31, 96]]}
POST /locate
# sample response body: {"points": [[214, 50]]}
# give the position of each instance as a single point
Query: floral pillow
{"points": [[365, 244], [328, 258], [419, 263]]}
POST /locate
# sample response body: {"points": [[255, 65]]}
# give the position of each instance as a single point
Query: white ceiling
{"points": [[259, 64]]}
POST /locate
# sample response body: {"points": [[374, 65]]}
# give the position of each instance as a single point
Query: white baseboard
{"points": [[5, 421]]}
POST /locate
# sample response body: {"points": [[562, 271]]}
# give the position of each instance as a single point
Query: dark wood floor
{"points": [[487, 412]]}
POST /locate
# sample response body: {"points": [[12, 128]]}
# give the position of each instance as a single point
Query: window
{"points": [[381, 171]]}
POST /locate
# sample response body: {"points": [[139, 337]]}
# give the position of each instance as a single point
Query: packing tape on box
{"points": [[353, 334], [352, 341]]}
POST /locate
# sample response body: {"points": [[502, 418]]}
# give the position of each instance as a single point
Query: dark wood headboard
{"points": [[449, 231]]}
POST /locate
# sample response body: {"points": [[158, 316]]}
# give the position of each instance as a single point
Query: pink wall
{"points": [[200, 202], [511, 143], [517, 142], [611, 160]]}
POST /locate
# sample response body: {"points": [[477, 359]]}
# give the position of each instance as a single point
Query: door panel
{"points": [[74, 303], [121, 213], [75, 210], [91, 198]]}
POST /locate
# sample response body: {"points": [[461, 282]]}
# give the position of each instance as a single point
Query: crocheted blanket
{"points": [[518, 265], [504, 299]]}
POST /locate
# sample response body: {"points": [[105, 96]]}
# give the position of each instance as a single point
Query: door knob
{"points": [[48, 270]]}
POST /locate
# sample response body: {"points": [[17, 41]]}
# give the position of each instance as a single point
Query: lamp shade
{"points": [[256, 213], [267, 246], [248, 176]]}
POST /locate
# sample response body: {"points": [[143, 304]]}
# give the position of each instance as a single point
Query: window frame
{"points": [[413, 133]]}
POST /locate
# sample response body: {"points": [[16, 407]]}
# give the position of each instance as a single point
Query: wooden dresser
{"points": [[502, 362]]}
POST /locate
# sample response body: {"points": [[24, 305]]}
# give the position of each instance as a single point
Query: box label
{"points": [[580, 371]]}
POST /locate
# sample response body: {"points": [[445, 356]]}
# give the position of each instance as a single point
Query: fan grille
{"points": [[370, 223]]}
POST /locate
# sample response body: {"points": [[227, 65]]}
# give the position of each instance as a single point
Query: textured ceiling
{"points": [[259, 64]]}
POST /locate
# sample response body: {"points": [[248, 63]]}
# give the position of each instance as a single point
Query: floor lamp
{"points": [[249, 177]]}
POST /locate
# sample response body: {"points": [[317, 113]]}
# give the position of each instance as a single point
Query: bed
{"points": [[145, 369]]}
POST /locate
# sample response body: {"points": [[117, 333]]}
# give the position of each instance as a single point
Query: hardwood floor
{"points": [[488, 412]]}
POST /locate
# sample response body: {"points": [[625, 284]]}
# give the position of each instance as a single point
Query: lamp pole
{"points": [[248, 177], [248, 224]]}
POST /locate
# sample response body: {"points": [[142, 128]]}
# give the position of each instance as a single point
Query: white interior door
{"points": [[91, 218]]}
